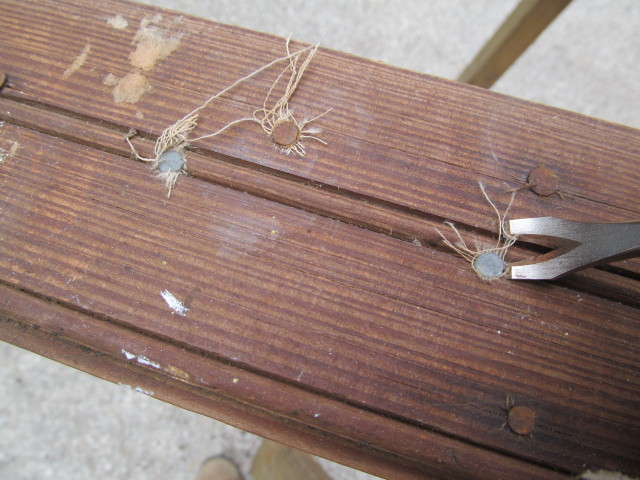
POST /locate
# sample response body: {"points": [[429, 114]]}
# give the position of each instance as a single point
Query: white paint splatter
{"points": [[174, 304], [141, 359], [146, 392], [145, 361], [129, 355], [137, 389]]}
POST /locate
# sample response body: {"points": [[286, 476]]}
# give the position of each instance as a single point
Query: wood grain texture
{"points": [[303, 277]]}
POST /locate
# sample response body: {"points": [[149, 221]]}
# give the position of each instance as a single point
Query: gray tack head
{"points": [[170, 161], [489, 265]]}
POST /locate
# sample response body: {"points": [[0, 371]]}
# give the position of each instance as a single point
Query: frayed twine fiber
{"points": [[483, 260], [268, 117]]}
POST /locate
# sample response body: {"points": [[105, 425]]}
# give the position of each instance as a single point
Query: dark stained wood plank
{"points": [[306, 273], [324, 301], [228, 392], [413, 226], [441, 137]]}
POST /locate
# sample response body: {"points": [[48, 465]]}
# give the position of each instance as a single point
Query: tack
{"points": [[170, 161], [489, 265]]}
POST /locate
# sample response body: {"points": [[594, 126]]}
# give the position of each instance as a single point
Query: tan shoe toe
{"points": [[219, 468]]}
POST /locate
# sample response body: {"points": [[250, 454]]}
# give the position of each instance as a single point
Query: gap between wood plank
{"points": [[396, 221], [368, 290], [90, 91], [510, 125], [66, 152], [110, 333]]}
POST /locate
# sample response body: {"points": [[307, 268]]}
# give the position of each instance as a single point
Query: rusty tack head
{"points": [[543, 181], [521, 419], [285, 133]]}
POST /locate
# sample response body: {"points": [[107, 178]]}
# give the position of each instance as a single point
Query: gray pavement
{"points": [[58, 423]]}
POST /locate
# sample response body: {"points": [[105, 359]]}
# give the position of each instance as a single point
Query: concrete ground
{"points": [[58, 423]]}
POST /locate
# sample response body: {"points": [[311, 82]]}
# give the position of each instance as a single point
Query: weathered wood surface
{"points": [[315, 318]]}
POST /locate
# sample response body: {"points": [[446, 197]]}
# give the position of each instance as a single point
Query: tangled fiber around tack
{"points": [[484, 261], [269, 116]]}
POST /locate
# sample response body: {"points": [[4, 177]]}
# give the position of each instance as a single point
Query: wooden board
{"points": [[324, 310]]}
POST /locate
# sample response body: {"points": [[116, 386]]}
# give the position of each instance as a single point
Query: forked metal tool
{"points": [[577, 245]]}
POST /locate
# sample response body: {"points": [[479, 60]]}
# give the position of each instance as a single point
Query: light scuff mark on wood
{"points": [[177, 373], [78, 62], [110, 80], [8, 149], [6, 154], [153, 44], [118, 22], [131, 88]]}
